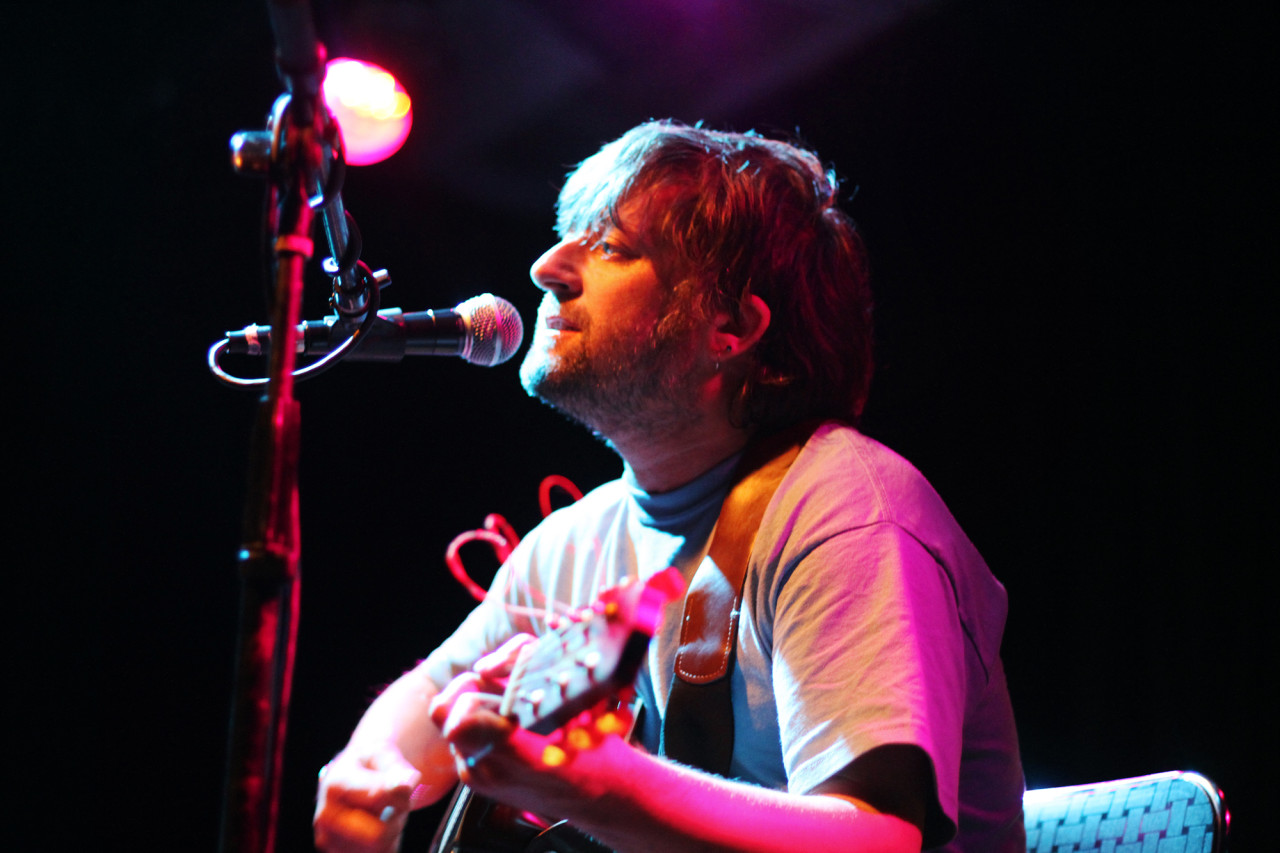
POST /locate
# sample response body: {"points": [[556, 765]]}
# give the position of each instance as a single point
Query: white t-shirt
{"points": [[868, 618]]}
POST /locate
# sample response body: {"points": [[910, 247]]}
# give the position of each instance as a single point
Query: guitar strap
{"points": [[697, 728]]}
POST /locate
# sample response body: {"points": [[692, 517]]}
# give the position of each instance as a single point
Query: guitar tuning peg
{"points": [[590, 660], [563, 679], [578, 739], [554, 756], [611, 723]]}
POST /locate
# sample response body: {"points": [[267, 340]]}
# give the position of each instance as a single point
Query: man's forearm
{"points": [[401, 717], [652, 804]]}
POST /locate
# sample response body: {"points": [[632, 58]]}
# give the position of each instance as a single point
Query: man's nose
{"points": [[558, 271]]}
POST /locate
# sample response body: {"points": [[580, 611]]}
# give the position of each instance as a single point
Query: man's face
{"points": [[612, 346]]}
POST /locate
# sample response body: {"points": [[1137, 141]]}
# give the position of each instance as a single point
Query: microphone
{"points": [[484, 330]]}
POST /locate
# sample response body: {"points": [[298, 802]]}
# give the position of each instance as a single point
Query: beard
{"points": [[616, 382]]}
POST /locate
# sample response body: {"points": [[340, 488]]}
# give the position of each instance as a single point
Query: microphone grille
{"points": [[494, 329]]}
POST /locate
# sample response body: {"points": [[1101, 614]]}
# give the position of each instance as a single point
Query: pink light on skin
{"points": [[371, 107]]}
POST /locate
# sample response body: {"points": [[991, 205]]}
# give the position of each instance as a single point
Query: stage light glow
{"points": [[371, 107]]}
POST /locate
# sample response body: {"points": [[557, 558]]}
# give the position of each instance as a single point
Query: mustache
{"points": [[552, 314]]}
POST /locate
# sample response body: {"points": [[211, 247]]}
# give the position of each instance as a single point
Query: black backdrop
{"points": [[1068, 215]]}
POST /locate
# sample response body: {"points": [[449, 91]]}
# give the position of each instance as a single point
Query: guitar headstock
{"points": [[593, 657]]}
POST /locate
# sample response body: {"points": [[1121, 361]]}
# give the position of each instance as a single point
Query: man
{"points": [[707, 293]]}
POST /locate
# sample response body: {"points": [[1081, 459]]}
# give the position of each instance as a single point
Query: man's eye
{"points": [[607, 248]]}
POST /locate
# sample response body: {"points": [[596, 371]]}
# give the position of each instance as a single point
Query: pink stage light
{"points": [[371, 107]]}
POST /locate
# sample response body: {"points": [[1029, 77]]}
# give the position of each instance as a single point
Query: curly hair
{"points": [[736, 214]]}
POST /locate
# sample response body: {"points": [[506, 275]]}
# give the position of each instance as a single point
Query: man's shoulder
{"points": [[835, 439], [854, 474], [847, 482]]}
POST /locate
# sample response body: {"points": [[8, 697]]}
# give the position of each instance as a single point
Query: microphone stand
{"points": [[268, 560]]}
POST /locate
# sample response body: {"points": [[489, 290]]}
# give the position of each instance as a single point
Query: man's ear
{"points": [[732, 336]]}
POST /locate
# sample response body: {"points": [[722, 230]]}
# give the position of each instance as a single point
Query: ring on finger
{"points": [[474, 758]]}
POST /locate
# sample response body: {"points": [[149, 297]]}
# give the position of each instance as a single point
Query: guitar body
{"points": [[477, 824]]}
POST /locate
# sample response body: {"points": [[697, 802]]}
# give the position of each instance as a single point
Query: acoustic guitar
{"points": [[574, 668]]}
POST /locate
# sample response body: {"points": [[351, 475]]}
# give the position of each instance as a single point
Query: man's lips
{"points": [[560, 324]]}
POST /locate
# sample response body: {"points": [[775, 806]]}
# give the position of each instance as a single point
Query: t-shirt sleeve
{"points": [[868, 650]]}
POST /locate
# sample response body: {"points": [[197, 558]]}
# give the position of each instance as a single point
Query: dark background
{"points": [[1070, 226]]}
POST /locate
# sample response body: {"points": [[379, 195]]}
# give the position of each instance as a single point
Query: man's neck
{"points": [[665, 462]]}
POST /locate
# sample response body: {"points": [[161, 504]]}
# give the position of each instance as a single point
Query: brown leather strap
{"points": [[698, 725]]}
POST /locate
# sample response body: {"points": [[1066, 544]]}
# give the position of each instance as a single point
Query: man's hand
{"points": [[465, 710], [550, 775], [397, 760], [363, 801]]}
